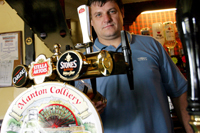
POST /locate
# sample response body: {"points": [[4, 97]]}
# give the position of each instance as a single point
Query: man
{"points": [[144, 109]]}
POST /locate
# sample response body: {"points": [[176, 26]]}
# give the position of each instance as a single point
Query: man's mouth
{"points": [[108, 26]]}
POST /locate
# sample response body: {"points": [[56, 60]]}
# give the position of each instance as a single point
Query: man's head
{"points": [[102, 2], [107, 20]]}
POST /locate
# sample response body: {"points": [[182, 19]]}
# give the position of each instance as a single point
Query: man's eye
{"points": [[112, 11], [98, 15]]}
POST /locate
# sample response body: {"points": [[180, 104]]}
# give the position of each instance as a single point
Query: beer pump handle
{"points": [[84, 18], [128, 58]]}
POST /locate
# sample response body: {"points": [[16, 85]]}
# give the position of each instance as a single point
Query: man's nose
{"points": [[107, 18]]}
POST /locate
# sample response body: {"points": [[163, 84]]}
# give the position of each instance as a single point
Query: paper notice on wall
{"points": [[9, 46], [6, 68]]}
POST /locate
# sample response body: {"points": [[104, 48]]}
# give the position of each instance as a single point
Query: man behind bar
{"points": [[144, 109]]}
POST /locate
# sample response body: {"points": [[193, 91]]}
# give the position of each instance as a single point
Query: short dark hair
{"points": [[102, 2]]}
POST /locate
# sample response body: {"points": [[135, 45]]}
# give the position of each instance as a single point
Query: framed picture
{"points": [[10, 55]]}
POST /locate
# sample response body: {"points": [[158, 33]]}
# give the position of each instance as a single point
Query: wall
{"points": [[10, 21], [76, 32]]}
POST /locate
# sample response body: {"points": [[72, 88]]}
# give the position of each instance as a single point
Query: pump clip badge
{"points": [[19, 76], [68, 66], [40, 69]]}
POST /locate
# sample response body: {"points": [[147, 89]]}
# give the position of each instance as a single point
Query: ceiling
{"points": [[132, 8]]}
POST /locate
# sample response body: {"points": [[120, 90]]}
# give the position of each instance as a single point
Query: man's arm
{"points": [[180, 104]]}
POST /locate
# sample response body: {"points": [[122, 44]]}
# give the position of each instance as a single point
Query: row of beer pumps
{"points": [[74, 65]]}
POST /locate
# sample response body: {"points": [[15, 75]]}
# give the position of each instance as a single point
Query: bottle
{"points": [[158, 32], [169, 33], [174, 57], [178, 59]]}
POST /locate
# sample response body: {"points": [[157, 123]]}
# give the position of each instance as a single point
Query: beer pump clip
{"points": [[83, 13]]}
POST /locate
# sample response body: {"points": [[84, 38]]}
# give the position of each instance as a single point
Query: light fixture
{"points": [[2, 2], [161, 10]]}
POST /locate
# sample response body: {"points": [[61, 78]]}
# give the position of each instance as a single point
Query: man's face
{"points": [[107, 20]]}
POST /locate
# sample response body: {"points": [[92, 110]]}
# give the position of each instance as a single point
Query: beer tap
{"points": [[188, 24], [84, 18], [83, 13], [128, 59]]}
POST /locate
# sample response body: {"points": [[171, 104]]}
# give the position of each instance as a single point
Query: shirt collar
{"points": [[98, 46]]}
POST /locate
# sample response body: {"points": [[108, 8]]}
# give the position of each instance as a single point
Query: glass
{"points": [[87, 89]]}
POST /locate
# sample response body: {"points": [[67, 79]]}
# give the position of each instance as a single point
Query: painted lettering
{"points": [[71, 64], [20, 105], [27, 99], [65, 92]]}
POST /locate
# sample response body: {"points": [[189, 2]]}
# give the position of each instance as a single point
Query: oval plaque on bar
{"points": [[52, 107]]}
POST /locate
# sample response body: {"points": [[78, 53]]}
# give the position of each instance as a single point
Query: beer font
{"points": [[188, 24]]}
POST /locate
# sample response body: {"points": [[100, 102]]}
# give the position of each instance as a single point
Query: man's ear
{"points": [[91, 22], [122, 12]]}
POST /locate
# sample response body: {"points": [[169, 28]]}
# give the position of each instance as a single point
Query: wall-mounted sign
{"points": [[10, 55]]}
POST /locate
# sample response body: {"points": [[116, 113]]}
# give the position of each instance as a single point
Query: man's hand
{"points": [[100, 106], [98, 101], [180, 104]]}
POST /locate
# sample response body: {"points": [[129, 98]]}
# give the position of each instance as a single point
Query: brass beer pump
{"points": [[188, 24]]}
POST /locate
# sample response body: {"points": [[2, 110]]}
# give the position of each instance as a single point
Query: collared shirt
{"points": [[144, 109]]}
